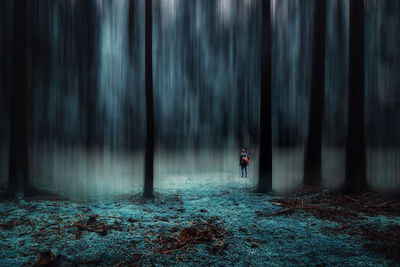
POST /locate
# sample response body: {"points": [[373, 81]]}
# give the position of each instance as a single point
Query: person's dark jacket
{"points": [[241, 160]]}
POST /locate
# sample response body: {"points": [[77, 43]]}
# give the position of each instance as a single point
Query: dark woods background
{"points": [[86, 90]]}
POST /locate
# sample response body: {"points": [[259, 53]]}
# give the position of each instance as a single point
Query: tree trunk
{"points": [[131, 26], [312, 157], [131, 136], [355, 147], [18, 161], [148, 180], [90, 58], [265, 156]]}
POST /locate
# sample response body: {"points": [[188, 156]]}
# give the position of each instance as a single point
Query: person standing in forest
{"points": [[244, 160]]}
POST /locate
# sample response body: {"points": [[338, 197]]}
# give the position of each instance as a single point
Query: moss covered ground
{"points": [[198, 226]]}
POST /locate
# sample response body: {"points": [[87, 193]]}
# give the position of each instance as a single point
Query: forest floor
{"points": [[202, 226]]}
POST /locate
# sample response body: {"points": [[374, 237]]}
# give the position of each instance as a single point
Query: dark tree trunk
{"points": [[265, 157], [149, 157], [240, 120], [5, 70], [131, 27], [355, 147], [312, 157], [18, 162], [92, 73], [340, 25], [86, 45], [131, 136]]}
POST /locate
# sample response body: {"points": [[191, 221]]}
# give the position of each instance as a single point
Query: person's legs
{"points": [[241, 167], [245, 170]]}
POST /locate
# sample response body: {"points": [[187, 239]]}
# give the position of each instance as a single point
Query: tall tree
{"points": [[312, 157], [265, 156], [355, 180], [131, 136], [93, 40], [5, 70], [87, 49], [18, 180], [149, 157], [131, 26]]}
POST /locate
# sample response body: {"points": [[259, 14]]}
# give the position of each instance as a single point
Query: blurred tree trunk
{"points": [[87, 47], [5, 70], [131, 135], [18, 161], [355, 148], [93, 41], [312, 157], [240, 118], [131, 26], [149, 157], [265, 156]]}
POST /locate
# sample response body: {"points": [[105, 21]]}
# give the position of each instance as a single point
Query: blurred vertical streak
{"points": [[131, 27], [312, 157], [355, 147], [149, 156], [5, 91], [18, 159], [265, 153]]}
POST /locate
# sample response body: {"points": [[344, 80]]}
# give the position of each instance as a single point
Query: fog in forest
{"points": [[86, 93]]}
